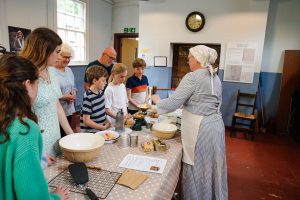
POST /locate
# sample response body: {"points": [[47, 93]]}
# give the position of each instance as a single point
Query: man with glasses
{"points": [[106, 61]]}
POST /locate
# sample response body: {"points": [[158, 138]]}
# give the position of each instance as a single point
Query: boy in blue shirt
{"points": [[137, 86]]}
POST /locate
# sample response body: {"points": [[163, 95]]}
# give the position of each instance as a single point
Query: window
{"points": [[71, 26]]}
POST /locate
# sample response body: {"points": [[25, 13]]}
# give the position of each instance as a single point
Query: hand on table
{"points": [[62, 191]]}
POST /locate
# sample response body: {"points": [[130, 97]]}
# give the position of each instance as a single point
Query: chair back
{"points": [[246, 103]]}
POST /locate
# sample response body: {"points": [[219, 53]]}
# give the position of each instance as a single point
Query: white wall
{"points": [[163, 22], [35, 13], [25, 14], [3, 24], [99, 28], [283, 33], [125, 15]]}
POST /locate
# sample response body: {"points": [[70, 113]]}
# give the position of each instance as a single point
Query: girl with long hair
{"points": [[21, 175], [42, 48], [115, 93]]}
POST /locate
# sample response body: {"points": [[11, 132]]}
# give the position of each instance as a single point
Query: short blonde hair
{"points": [[117, 69]]}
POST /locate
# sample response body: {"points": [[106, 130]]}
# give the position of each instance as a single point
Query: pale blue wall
{"points": [[229, 95], [270, 88], [78, 72]]}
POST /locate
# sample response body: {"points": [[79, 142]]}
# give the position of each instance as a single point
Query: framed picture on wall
{"points": [[160, 61], [17, 37]]}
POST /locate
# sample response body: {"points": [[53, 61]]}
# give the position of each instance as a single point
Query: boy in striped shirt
{"points": [[92, 115]]}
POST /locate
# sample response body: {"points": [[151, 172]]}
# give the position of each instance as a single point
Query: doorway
{"points": [[180, 64], [126, 46]]}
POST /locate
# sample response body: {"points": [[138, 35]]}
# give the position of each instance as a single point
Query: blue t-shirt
{"points": [[138, 89], [137, 85]]}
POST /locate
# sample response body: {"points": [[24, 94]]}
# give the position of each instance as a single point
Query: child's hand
{"points": [[50, 160], [128, 115], [62, 192], [107, 125]]}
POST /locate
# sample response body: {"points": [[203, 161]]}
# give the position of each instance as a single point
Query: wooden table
{"points": [[156, 187]]}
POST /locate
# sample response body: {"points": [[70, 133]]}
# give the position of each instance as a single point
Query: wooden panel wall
{"points": [[290, 82]]}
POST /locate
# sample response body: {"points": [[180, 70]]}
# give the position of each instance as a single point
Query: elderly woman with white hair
{"points": [[204, 173], [66, 82]]}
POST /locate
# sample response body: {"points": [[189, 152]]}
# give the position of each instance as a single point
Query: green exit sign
{"points": [[129, 30]]}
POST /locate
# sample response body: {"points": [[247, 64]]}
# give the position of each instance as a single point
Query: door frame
{"points": [[117, 42]]}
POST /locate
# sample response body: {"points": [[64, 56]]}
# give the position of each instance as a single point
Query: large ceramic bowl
{"points": [[164, 130], [81, 147]]}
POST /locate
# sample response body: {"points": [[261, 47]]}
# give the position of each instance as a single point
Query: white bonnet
{"points": [[205, 55]]}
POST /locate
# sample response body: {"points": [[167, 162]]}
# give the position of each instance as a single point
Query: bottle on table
{"points": [[120, 126]]}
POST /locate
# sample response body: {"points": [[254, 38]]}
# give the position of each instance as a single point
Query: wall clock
{"points": [[195, 21]]}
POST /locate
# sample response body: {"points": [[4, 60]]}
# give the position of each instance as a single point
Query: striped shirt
{"points": [[93, 105]]}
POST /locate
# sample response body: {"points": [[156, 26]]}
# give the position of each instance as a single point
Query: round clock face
{"points": [[195, 21]]}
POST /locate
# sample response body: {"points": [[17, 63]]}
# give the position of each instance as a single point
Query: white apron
{"points": [[190, 124]]}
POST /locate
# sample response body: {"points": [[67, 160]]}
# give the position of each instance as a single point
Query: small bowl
{"points": [[129, 122], [81, 147], [138, 115], [164, 130], [144, 107]]}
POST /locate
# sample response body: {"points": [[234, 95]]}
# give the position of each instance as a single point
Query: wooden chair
{"points": [[244, 118]]}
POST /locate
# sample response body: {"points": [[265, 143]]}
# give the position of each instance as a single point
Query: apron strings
{"points": [[210, 69]]}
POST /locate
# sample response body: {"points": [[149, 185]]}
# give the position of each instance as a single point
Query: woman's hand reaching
{"points": [[155, 98]]}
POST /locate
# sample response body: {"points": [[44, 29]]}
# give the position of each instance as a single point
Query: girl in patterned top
{"points": [[42, 47], [21, 175]]}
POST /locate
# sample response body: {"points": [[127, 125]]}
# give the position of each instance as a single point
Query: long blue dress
{"points": [[207, 178], [45, 107]]}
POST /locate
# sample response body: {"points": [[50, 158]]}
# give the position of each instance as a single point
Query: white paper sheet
{"points": [[144, 163], [240, 62]]}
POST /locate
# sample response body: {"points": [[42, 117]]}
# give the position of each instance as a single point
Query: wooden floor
{"points": [[265, 169]]}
